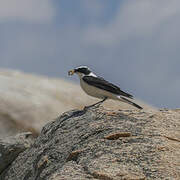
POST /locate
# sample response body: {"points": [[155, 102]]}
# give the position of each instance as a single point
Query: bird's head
{"points": [[80, 71]]}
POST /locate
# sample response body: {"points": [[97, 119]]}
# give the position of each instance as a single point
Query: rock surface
{"points": [[102, 144], [10, 148], [28, 102]]}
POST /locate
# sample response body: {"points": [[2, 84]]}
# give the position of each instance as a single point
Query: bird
{"points": [[98, 87]]}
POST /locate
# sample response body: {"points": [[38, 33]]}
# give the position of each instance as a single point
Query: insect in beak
{"points": [[71, 72]]}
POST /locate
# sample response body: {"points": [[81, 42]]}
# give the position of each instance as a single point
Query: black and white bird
{"points": [[100, 88]]}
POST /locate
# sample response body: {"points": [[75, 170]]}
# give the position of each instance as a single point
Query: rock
{"points": [[75, 146], [28, 102], [10, 147]]}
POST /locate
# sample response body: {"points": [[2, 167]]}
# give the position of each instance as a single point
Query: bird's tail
{"points": [[129, 102]]}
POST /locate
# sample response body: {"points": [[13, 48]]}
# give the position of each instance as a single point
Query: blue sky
{"points": [[134, 44]]}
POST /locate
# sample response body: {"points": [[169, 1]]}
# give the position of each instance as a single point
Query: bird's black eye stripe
{"points": [[83, 70]]}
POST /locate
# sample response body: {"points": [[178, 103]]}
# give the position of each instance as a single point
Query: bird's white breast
{"points": [[96, 92]]}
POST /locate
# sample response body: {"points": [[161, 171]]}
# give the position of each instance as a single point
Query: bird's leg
{"points": [[98, 103]]}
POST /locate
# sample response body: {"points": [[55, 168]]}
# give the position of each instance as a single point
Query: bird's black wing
{"points": [[105, 85]]}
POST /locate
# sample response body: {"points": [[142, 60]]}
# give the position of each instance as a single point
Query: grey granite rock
{"points": [[10, 147], [101, 144]]}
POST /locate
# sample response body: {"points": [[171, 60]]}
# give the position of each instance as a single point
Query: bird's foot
{"points": [[96, 104]]}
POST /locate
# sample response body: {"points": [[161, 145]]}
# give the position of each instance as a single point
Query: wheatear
{"points": [[98, 87]]}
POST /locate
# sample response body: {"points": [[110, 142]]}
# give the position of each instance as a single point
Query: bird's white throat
{"points": [[81, 75]]}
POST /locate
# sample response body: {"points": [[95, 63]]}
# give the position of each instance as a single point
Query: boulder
{"points": [[100, 144], [10, 147]]}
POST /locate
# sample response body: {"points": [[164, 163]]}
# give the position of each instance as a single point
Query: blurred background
{"points": [[134, 44]]}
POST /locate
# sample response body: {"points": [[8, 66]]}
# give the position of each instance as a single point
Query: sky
{"points": [[134, 44]]}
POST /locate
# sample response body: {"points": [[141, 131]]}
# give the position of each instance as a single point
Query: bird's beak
{"points": [[71, 72]]}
